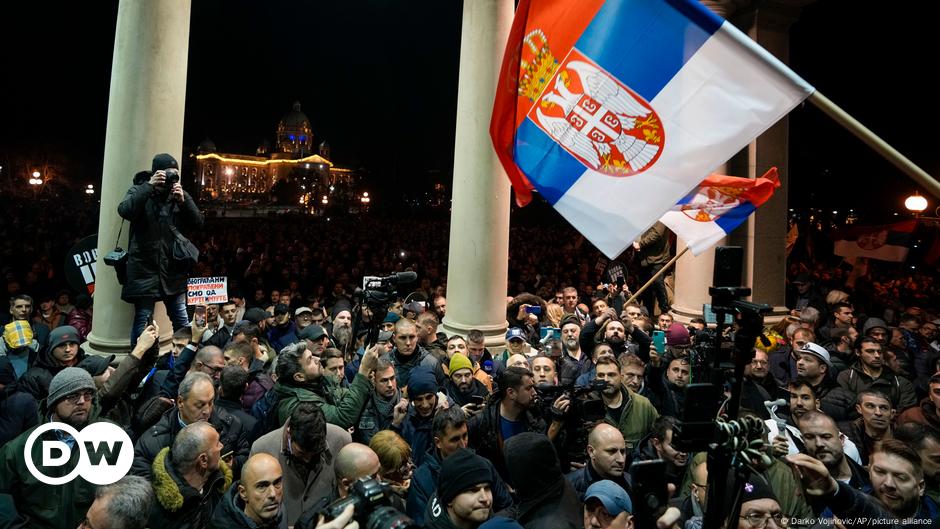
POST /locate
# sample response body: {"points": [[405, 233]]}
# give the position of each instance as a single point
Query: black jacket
{"points": [[151, 270], [582, 478], [178, 505], [19, 412], [485, 436], [462, 399], [37, 378], [232, 435], [230, 514]]}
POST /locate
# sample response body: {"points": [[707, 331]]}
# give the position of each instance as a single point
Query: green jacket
{"points": [[636, 419], [342, 406], [48, 506]]}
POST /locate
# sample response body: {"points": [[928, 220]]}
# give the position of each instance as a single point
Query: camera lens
{"points": [[386, 517]]}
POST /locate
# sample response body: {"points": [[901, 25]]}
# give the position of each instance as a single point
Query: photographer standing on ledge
{"points": [[158, 211]]}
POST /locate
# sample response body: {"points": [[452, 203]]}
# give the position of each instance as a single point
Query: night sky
{"points": [[378, 80]]}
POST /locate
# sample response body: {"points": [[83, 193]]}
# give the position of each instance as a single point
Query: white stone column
{"points": [[479, 221], [145, 117]]}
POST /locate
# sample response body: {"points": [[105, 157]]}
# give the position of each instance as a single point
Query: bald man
{"points": [[255, 500], [693, 505], [517, 360], [354, 461], [607, 459]]}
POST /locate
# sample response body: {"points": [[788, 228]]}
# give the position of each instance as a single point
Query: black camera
{"points": [[172, 176], [586, 402], [116, 257], [371, 501]]}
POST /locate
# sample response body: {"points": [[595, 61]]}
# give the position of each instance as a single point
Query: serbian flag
{"points": [[614, 110], [890, 242], [717, 206]]}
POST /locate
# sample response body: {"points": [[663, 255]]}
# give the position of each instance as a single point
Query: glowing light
{"points": [[36, 174], [916, 203]]}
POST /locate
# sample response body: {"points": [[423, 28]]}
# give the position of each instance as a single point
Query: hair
{"points": [[188, 444], [427, 318], [809, 315], [288, 362], [207, 354], [595, 353], [241, 350], [456, 337], [907, 317], [916, 435], [17, 297], [661, 425], [838, 333], [698, 320], [452, 417], [229, 302], [934, 379], [404, 322], [249, 329], [862, 340], [816, 415], [330, 352], [308, 427], [836, 296], [475, 336], [873, 393], [669, 358], [791, 329], [383, 363], [186, 333], [569, 290], [190, 380], [630, 359], [130, 500], [900, 449], [512, 378], [609, 360], [232, 382], [554, 312], [801, 382], [839, 305], [811, 335], [393, 451]]}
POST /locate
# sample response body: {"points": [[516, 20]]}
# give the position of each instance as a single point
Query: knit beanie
{"points": [[68, 381], [871, 323], [462, 471], [569, 319], [95, 364], [532, 463], [63, 334], [421, 382], [677, 335], [457, 362], [162, 162]]}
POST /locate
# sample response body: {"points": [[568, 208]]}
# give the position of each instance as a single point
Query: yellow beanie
{"points": [[459, 361]]}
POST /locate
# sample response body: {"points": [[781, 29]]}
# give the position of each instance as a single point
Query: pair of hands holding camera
{"points": [[176, 191]]}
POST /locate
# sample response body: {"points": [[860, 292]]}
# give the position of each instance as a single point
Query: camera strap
{"points": [[117, 242]]}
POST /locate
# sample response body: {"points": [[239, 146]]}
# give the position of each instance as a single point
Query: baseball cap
{"points": [[281, 308], [612, 496], [817, 351], [312, 332], [514, 333], [302, 310], [257, 315]]}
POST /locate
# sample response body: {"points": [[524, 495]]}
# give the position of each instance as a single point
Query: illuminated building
{"points": [[231, 176]]}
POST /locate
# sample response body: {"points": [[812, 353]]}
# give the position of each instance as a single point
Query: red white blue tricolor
{"points": [[614, 110]]}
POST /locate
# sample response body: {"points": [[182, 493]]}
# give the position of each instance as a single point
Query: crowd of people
{"points": [[292, 401]]}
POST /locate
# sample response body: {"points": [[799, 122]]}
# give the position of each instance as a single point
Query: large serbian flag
{"points": [[717, 206], [614, 110], [886, 243]]}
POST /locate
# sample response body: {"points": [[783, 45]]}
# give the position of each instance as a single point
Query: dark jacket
{"points": [[81, 320], [670, 398], [654, 245], [232, 435], [782, 365], [230, 514], [416, 431], [235, 408], [925, 413], [376, 416], [280, 337], [259, 383], [37, 378], [151, 270], [461, 399], [645, 451], [545, 498], [486, 438], [404, 365], [424, 484], [19, 412], [436, 515], [850, 504], [178, 505], [897, 388], [582, 478]]}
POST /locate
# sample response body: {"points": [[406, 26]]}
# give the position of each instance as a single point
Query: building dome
{"points": [[206, 146], [294, 134]]}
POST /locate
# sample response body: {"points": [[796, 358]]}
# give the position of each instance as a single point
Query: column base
{"points": [[495, 334]]}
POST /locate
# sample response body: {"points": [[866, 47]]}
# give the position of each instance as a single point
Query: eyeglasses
{"points": [[214, 369], [760, 362], [759, 520], [74, 397], [632, 376]]}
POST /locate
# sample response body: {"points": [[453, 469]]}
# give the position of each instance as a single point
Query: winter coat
{"points": [[851, 504], [37, 378], [897, 388], [486, 438], [424, 484], [81, 320], [342, 406], [232, 435], [152, 272], [558, 510], [645, 451], [235, 408], [583, 477], [477, 389], [177, 504], [373, 418], [416, 431], [670, 397], [404, 365], [302, 490], [636, 419], [654, 245], [925, 413], [19, 412], [281, 337], [230, 513], [436, 516], [259, 383]]}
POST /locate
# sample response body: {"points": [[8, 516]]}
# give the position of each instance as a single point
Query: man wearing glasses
{"points": [[759, 506]]}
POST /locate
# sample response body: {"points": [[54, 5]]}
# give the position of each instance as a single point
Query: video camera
{"points": [[586, 402], [371, 500], [379, 292]]}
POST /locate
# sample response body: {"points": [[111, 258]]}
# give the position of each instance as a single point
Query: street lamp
{"points": [[35, 180], [915, 203], [90, 189]]}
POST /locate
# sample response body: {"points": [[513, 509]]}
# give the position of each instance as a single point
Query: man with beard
{"points": [[416, 428], [610, 328], [629, 412], [283, 333], [927, 412], [254, 501], [758, 372], [573, 361], [869, 373], [464, 390], [599, 350], [70, 401], [342, 330], [669, 386], [380, 408], [873, 426], [824, 441], [301, 378], [607, 459], [927, 444], [457, 344], [815, 366], [464, 497], [897, 481], [658, 445], [409, 355], [633, 372]]}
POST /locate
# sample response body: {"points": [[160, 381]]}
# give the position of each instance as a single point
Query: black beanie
{"points": [[532, 463], [162, 162], [460, 472]]}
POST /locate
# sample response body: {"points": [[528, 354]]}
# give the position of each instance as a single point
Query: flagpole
{"points": [[656, 275], [930, 184]]}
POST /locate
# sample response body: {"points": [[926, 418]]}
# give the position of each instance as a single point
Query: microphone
{"points": [[405, 277]]}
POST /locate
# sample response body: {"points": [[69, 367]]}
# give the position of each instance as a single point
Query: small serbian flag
{"points": [[614, 110], [890, 242], [717, 206]]}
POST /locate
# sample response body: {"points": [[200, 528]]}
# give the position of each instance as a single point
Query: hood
{"points": [[533, 466], [172, 492], [46, 360]]}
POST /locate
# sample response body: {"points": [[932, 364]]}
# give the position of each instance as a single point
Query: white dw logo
{"points": [[105, 453]]}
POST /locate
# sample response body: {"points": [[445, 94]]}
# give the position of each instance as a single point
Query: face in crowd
{"points": [[678, 372], [405, 337], [544, 370]]}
